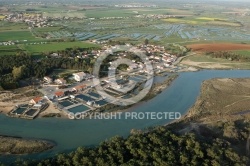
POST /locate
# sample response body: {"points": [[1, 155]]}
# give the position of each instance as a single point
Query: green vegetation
{"points": [[17, 67], [64, 14], [203, 58], [166, 11], [230, 56], [16, 35], [57, 46], [108, 13], [242, 52], [208, 61], [177, 50], [157, 147], [9, 50], [10, 145], [226, 118], [202, 20], [9, 26], [47, 29], [36, 48]]}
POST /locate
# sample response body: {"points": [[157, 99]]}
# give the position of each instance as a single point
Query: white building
{"points": [[79, 76], [47, 79], [60, 81]]}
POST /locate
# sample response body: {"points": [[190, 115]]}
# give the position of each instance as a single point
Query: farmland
{"points": [[9, 50], [143, 29], [203, 21], [35, 48], [160, 25], [242, 52], [64, 14], [7, 26], [55, 46], [16, 35], [108, 13]]}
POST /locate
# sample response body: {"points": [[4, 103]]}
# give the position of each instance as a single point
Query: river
{"points": [[70, 134]]}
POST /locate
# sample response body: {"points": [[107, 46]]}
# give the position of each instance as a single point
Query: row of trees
{"points": [[229, 55], [157, 147]]}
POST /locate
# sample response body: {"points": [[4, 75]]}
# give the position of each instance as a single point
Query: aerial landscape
{"points": [[106, 82]]}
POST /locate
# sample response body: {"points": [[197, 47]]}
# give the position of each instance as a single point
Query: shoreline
{"points": [[32, 145]]}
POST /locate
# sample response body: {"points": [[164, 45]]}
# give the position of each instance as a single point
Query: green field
{"points": [[47, 29], [9, 50], [162, 11], [205, 58], [242, 52], [9, 26], [64, 14], [203, 21], [108, 13], [16, 35], [207, 62], [56, 46]]}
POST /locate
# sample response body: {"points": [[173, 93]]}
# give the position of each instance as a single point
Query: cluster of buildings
{"points": [[158, 54], [61, 81], [68, 96], [58, 97], [8, 43], [32, 19]]}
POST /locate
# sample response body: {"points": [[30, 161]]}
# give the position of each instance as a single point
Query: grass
{"points": [[204, 58], [16, 35], [178, 20], [108, 13], [9, 50], [11, 145], [242, 52], [63, 72], [64, 14], [9, 26], [204, 61], [202, 21], [162, 11], [47, 29], [208, 18], [224, 23], [57, 46]]}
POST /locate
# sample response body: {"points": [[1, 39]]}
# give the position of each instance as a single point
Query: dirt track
{"points": [[218, 47]]}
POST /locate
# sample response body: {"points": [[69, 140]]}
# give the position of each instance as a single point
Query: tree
{"points": [[18, 72], [146, 41]]}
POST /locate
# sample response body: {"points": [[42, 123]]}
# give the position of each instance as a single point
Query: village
{"points": [[80, 95]]}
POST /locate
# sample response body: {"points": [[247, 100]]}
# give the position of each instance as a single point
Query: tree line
{"points": [[228, 55], [159, 146]]}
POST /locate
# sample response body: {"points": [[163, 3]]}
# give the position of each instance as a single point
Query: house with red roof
{"points": [[59, 94], [79, 87], [35, 100]]}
